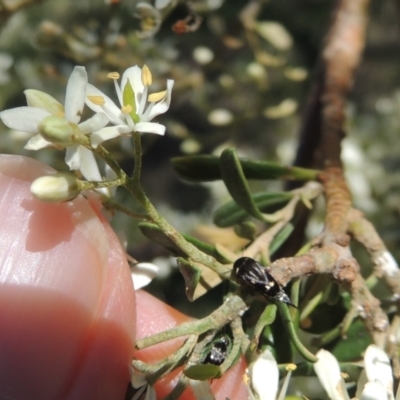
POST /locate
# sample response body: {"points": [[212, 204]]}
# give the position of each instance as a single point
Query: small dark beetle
{"points": [[253, 274], [218, 352]]}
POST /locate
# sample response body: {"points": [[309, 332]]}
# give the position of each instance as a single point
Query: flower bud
{"points": [[56, 188], [57, 130]]}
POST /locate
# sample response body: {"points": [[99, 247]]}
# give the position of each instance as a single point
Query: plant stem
{"points": [[110, 203], [230, 309], [285, 314]]}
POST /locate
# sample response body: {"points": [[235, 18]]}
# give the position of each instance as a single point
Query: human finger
{"points": [[66, 298]]}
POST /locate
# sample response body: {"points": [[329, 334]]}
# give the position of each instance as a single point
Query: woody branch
{"points": [[331, 253]]}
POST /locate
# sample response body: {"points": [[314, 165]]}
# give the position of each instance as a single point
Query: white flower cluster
{"points": [[54, 125], [375, 381]]}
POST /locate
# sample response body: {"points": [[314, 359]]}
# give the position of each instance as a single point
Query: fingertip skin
{"points": [[67, 305]]}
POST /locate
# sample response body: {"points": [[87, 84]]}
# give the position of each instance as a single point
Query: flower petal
{"points": [[139, 392], [134, 74], [150, 127], [39, 99], [362, 381], [374, 391], [75, 94], [328, 372], [24, 119], [89, 167], [146, 12], [143, 274], [265, 366], [109, 108], [377, 367], [111, 132], [151, 393], [162, 106], [109, 176], [94, 123], [137, 378], [72, 158], [37, 142], [162, 3], [282, 393]]}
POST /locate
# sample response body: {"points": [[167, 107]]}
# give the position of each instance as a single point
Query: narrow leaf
{"points": [[267, 318], [198, 278], [280, 238], [205, 168], [268, 202], [191, 275], [236, 183]]}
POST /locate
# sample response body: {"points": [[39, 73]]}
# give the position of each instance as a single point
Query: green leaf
{"points": [[246, 230], [208, 249], [191, 275], [205, 168], [267, 318], [236, 183], [202, 372], [198, 278], [356, 341], [280, 238], [268, 202]]}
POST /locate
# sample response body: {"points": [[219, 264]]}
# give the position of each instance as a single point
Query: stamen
{"points": [[156, 96], [113, 75], [291, 367], [98, 100], [126, 109], [246, 378], [147, 79]]}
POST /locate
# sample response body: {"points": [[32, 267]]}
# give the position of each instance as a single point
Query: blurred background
{"points": [[243, 73]]}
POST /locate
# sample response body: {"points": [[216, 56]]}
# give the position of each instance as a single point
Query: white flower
{"points": [[143, 273], [138, 381], [137, 108], [328, 372], [150, 17], [376, 380], [264, 377], [42, 105]]}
